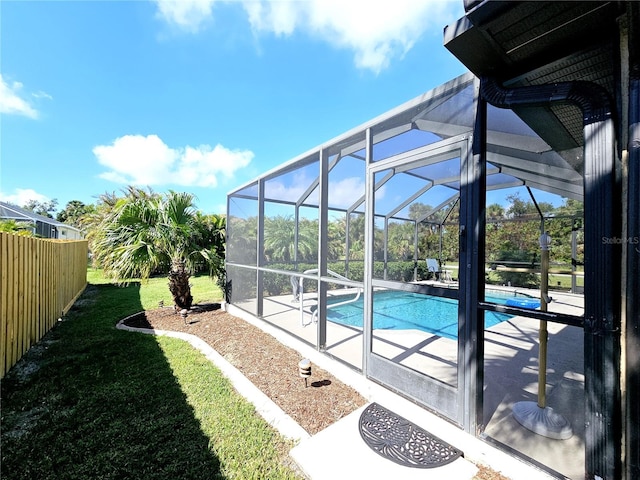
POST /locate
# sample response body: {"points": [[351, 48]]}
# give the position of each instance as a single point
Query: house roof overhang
{"points": [[543, 42], [531, 43], [512, 40]]}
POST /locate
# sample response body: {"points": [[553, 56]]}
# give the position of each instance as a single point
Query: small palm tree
{"points": [[211, 235], [144, 232]]}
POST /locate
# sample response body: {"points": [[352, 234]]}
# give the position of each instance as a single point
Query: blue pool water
{"points": [[396, 310]]}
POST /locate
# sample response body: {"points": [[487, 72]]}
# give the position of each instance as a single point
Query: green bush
{"points": [[400, 271], [280, 283]]}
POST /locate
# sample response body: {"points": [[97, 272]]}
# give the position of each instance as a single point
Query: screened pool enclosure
{"points": [[409, 249]]}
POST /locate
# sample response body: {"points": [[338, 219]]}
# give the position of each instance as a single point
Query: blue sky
{"points": [[198, 96]]}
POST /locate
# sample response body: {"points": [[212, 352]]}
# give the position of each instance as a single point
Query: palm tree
{"points": [[494, 211], [24, 229], [280, 238], [243, 238], [356, 236], [336, 239], [73, 212], [308, 240], [212, 237], [144, 232], [400, 241]]}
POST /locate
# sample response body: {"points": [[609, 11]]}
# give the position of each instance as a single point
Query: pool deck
{"points": [[511, 360]]}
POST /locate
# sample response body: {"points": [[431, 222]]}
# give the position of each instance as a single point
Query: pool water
{"points": [[397, 310]]}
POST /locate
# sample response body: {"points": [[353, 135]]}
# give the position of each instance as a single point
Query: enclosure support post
{"points": [[574, 256], [471, 274], [260, 250], [632, 336], [367, 333], [323, 220]]}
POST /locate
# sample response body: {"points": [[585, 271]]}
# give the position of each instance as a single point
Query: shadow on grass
{"points": [[90, 401]]}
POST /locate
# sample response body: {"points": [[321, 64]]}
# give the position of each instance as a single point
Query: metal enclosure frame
{"points": [[449, 401], [486, 154]]}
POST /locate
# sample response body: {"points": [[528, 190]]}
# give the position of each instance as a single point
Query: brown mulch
{"points": [[270, 366]]}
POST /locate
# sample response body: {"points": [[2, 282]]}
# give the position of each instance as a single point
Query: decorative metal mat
{"points": [[402, 442]]}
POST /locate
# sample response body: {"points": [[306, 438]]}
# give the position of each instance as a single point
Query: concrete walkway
{"points": [[338, 452]]}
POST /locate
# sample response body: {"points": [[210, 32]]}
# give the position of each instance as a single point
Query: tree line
{"points": [[512, 234]]}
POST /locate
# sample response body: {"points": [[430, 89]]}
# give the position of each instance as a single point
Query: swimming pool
{"points": [[397, 310]]}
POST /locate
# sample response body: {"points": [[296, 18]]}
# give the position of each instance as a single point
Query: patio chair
{"points": [[433, 267], [438, 274]]}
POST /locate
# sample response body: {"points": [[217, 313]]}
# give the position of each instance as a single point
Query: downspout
{"points": [[602, 260]]}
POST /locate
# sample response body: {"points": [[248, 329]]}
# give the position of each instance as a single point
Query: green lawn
{"points": [[90, 401]]}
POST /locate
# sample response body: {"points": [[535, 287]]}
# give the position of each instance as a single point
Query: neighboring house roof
{"points": [[13, 212]]}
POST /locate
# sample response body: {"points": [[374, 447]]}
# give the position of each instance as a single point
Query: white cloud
{"points": [[22, 196], [376, 31], [140, 160], [346, 191], [279, 17], [12, 103], [188, 15], [290, 188], [342, 193], [41, 94]]}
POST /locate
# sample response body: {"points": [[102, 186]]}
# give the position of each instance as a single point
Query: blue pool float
{"points": [[531, 303]]}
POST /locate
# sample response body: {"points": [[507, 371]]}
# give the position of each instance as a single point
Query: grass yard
{"points": [[556, 281], [90, 401]]}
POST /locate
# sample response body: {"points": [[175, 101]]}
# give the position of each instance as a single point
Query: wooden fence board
{"points": [[39, 281], [4, 305], [13, 298], [20, 326]]}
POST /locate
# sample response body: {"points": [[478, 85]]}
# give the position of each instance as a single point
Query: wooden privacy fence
{"points": [[40, 281]]}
